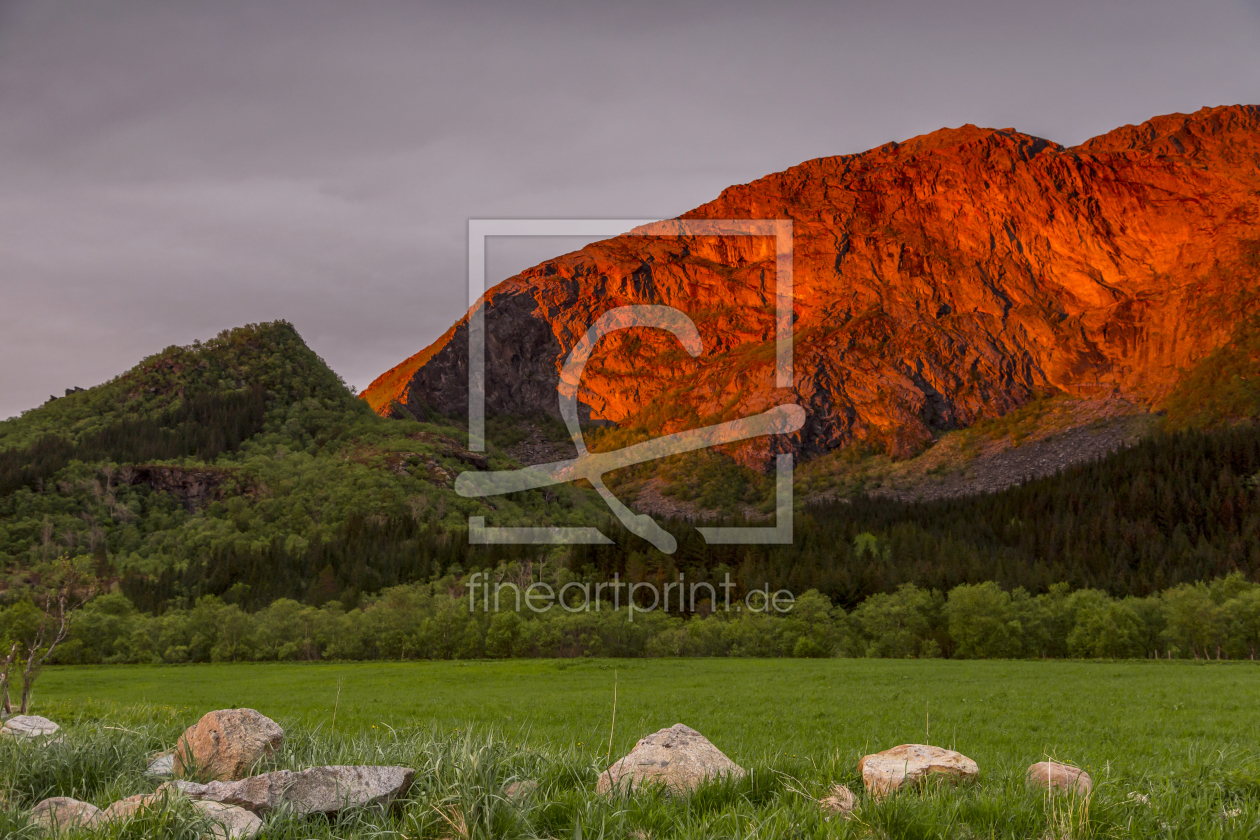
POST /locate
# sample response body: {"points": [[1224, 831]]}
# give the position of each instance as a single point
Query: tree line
{"points": [[443, 620]]}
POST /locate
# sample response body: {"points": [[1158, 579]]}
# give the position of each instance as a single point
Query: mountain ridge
{"points": [[939, 281]]}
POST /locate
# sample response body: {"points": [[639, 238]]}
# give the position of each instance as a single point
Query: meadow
{"points": [[1173, 747]]}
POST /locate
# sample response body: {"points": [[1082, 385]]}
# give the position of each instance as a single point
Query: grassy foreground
{"points": [[1184, 736]]}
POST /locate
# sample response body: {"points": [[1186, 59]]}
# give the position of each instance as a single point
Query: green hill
{"points": [[268, 357], [242, 461]]}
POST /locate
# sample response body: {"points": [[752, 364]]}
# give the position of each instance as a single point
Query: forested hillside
{"points": [[244, 469], [237, 461], [1179, 507]]}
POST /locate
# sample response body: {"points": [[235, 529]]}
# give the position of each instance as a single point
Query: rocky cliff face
{"points": [[938, 281]]}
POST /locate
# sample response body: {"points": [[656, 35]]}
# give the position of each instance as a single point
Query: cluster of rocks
{"points": [[680, 758], [211, 762], [213, 758], [61, 814]]}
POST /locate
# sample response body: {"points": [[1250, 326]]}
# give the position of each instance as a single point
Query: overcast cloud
{"points": [[169, 170]]}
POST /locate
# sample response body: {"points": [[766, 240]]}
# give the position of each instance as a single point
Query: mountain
{"points": [[243, 468], [939, 283], [242, 464], [973, 308]]}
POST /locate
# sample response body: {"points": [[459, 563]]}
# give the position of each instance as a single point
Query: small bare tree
{"points": [[4, 676], [31, 650]]}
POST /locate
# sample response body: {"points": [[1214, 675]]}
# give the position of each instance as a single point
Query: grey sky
{"points": [[168, 170]]}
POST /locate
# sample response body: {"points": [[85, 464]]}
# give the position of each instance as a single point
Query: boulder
{"points": [[124, 809], [888, 771], [678, 757], [161, 765], [230, 822], [318, 790], [840, 801], [61, 813], [28, 726], [225, 744], [1053, 775]]}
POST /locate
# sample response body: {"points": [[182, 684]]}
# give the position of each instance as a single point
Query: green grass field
{"points": [[1187, 736]]}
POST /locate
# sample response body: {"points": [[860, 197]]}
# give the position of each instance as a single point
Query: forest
{"points": [[242, 475], [1178, 508], [439, 620]]}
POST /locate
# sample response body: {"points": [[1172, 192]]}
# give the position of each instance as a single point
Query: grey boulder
{"points": [[680, 758], [161, 765], [228, 822], [318, 790], [28, 726], [890, 770]]}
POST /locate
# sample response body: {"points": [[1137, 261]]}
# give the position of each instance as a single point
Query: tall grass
{"points": [[467, 788]]}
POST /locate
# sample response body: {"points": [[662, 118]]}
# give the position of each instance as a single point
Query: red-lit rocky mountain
{"points": [[938, 282]]}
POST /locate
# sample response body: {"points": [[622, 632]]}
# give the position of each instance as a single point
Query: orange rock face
{"points": [[937, 282]]}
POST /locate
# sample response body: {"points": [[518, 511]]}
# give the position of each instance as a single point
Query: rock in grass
{"points": [[839, 802], [61, 813], [678, 757], [229, 822], [225, 744], [162, 764], [521, 792], [890, 770], [1053, 775], [318, 790], [124, 809], [28, 726]]}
